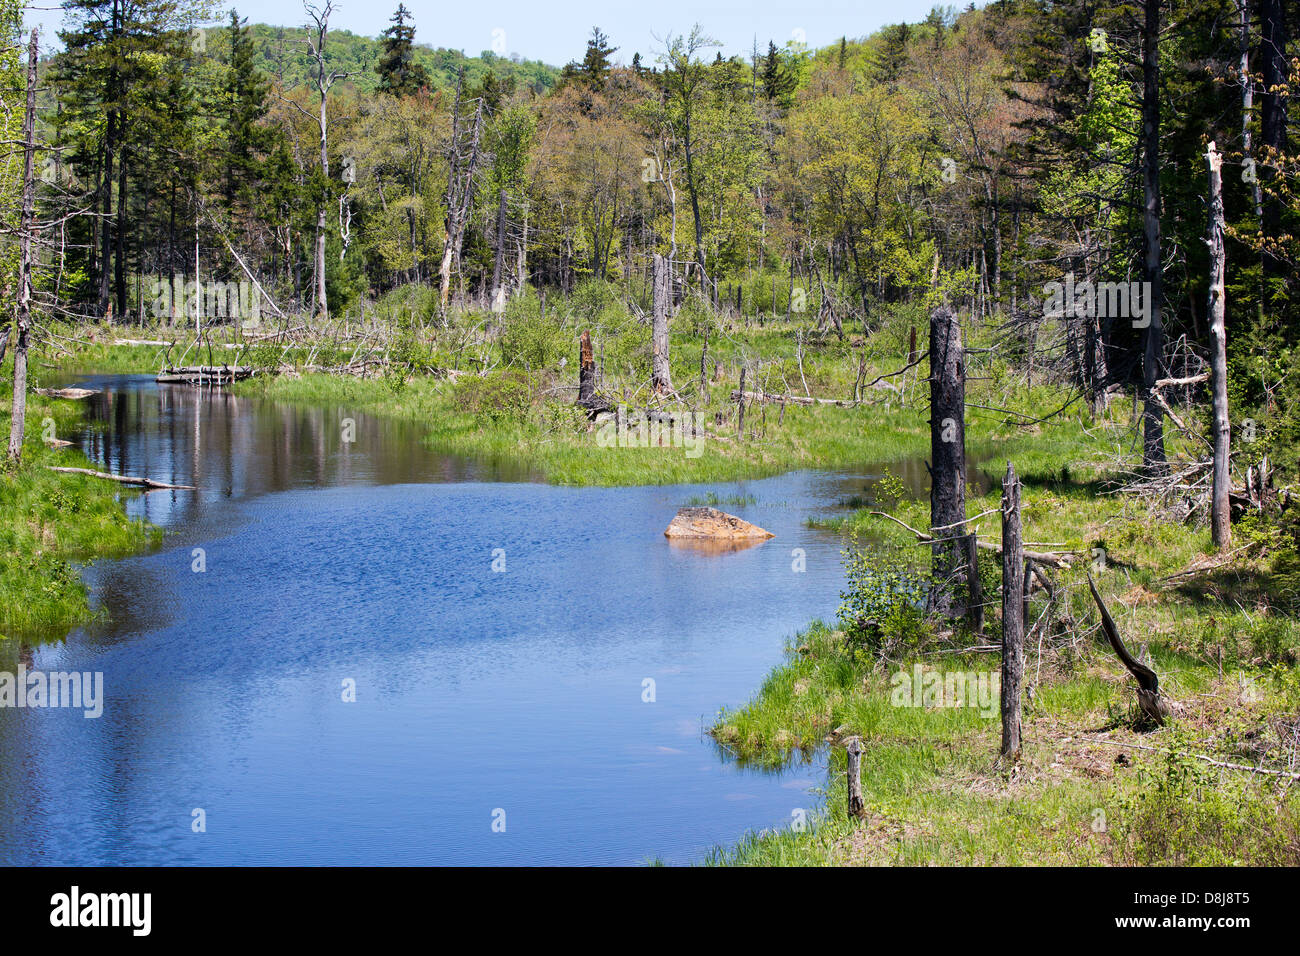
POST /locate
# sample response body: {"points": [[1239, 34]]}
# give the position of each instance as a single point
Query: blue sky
{"points": [[557, 32]]}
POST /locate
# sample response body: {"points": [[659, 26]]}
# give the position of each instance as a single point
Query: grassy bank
{"points": [[502, 388], [50, 522], [1094, 786]]}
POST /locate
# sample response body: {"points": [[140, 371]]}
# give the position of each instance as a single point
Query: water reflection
{"points": [[372, 561]]}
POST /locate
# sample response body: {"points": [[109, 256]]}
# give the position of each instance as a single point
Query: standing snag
{"points": [[1219, 507], [659, 377], [948, 462], [1013, 615]]}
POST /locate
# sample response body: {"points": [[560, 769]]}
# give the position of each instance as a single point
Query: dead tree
{"points": [[660, 381], [740, 407], [704, 358], [23, 319], [323, 80], [1152, 704], [458, 201], [1220, 527], [948, 457], [586, 371], [1013, 614], [857, 806]]}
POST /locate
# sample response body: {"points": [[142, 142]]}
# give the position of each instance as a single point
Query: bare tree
{"points": [[26, 227], [324, 79], [1219, 514]]}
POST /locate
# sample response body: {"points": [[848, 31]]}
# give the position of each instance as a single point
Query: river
{"points": [[533, 666]]}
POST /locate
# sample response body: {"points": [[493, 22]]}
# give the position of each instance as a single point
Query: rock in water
{"points": [[713, 524]]}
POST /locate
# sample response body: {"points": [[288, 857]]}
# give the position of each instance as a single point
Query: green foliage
{"points": [[1187, 813], [500, 399], [881, 612]]}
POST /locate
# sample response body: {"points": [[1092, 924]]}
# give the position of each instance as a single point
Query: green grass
{"points": [[50, 522], [1083, 794]]}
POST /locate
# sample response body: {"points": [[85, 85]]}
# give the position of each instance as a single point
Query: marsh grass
{"points": [[49, 523]]}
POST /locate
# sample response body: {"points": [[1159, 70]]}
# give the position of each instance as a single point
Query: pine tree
{"points": [[246, 106], [399, 74]]}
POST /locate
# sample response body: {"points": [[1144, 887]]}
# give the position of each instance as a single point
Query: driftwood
{"points": [[1153, 705], [68, 393], [148, 483]]}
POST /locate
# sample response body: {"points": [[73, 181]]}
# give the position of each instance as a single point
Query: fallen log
{"points": [[68, 393], [770, 398], [147, 483], [204, 374]]}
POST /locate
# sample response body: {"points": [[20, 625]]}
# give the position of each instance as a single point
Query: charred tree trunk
{"points": [[26, 226], [586, 371], [948, 457], [498, 266], [1219, 513], [659, 375], [1013, 614], [857, 806]]}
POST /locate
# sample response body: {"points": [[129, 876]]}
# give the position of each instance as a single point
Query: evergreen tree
{"points": [[399, 74], [246, 106]]}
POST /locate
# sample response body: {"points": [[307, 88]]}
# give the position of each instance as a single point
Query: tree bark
{"points": [[857, 806], [1013, 614], [586, 371], [24, 312], [948, 457], [660, 380], [498, 265], [1215, 311]]}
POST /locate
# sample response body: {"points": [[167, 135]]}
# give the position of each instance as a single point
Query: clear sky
{"points": [[556, 32]]}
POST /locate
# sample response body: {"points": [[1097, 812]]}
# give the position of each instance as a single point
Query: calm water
{"points": [[512, 694]]}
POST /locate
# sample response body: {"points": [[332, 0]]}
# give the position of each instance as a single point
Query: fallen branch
{"points": [[1210, 760], [1043, 557], [148, 483]]}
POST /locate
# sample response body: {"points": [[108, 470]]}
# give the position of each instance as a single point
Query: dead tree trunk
{"points": [[740, 407], [948, 457], [1013, 614], [704, 358], [659, 377], [498, 265], [975, 606], [25, 229], [586, 371], [1219, 508], [857, 806]]}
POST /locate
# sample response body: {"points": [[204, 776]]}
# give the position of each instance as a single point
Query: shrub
{"points": [[498, 398]]}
